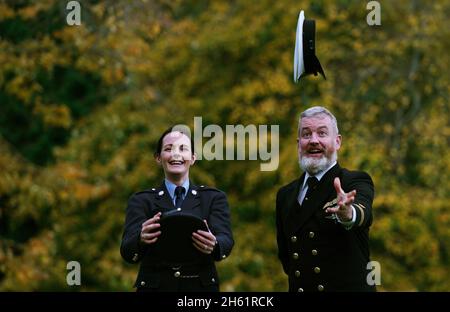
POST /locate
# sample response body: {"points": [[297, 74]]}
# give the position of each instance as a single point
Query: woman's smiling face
{"points": [[176, 156]]}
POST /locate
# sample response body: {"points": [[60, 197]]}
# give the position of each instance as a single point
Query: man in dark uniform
{"points": [[177, 194], [323, 217]]}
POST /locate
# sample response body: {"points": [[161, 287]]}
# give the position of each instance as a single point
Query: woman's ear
{"points": [[158, 159], [193, 158]]}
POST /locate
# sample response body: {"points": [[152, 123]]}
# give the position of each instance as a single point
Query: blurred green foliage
{"points": [[81, 108]]}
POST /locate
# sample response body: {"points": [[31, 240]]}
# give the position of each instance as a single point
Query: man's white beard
{"points": [[314, 165]]}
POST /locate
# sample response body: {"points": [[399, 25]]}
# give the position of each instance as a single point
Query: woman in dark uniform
{"points": [[177, 194]]}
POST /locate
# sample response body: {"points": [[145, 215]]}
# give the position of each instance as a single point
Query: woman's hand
{"points": [[204, 241], [148, 234]]}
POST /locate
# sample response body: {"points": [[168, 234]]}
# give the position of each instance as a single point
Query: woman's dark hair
{"points": [[175, 128]]}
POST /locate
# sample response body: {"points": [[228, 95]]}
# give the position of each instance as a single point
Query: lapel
{"points": [[294, 210], [292, 200], [164, 202], [323, 191], [192, 198]]}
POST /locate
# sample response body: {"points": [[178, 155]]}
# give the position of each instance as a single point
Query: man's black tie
{"points": [[312, 184], [179, 191]]}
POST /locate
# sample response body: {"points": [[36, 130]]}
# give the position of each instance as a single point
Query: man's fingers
{"points": [[350, 198], [345, 201], [332, 210], [337, 186], [343, 198]]}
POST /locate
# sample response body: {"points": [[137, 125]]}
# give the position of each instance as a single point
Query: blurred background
{"points": [[81, 108]]}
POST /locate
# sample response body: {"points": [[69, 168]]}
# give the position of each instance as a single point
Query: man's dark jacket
{"points": [[316, 251]]}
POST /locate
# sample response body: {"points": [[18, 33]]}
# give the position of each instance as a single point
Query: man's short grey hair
{"points": [[318, 110]]}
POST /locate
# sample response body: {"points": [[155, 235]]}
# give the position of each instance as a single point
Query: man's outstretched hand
{"points": [[343, 208]]}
